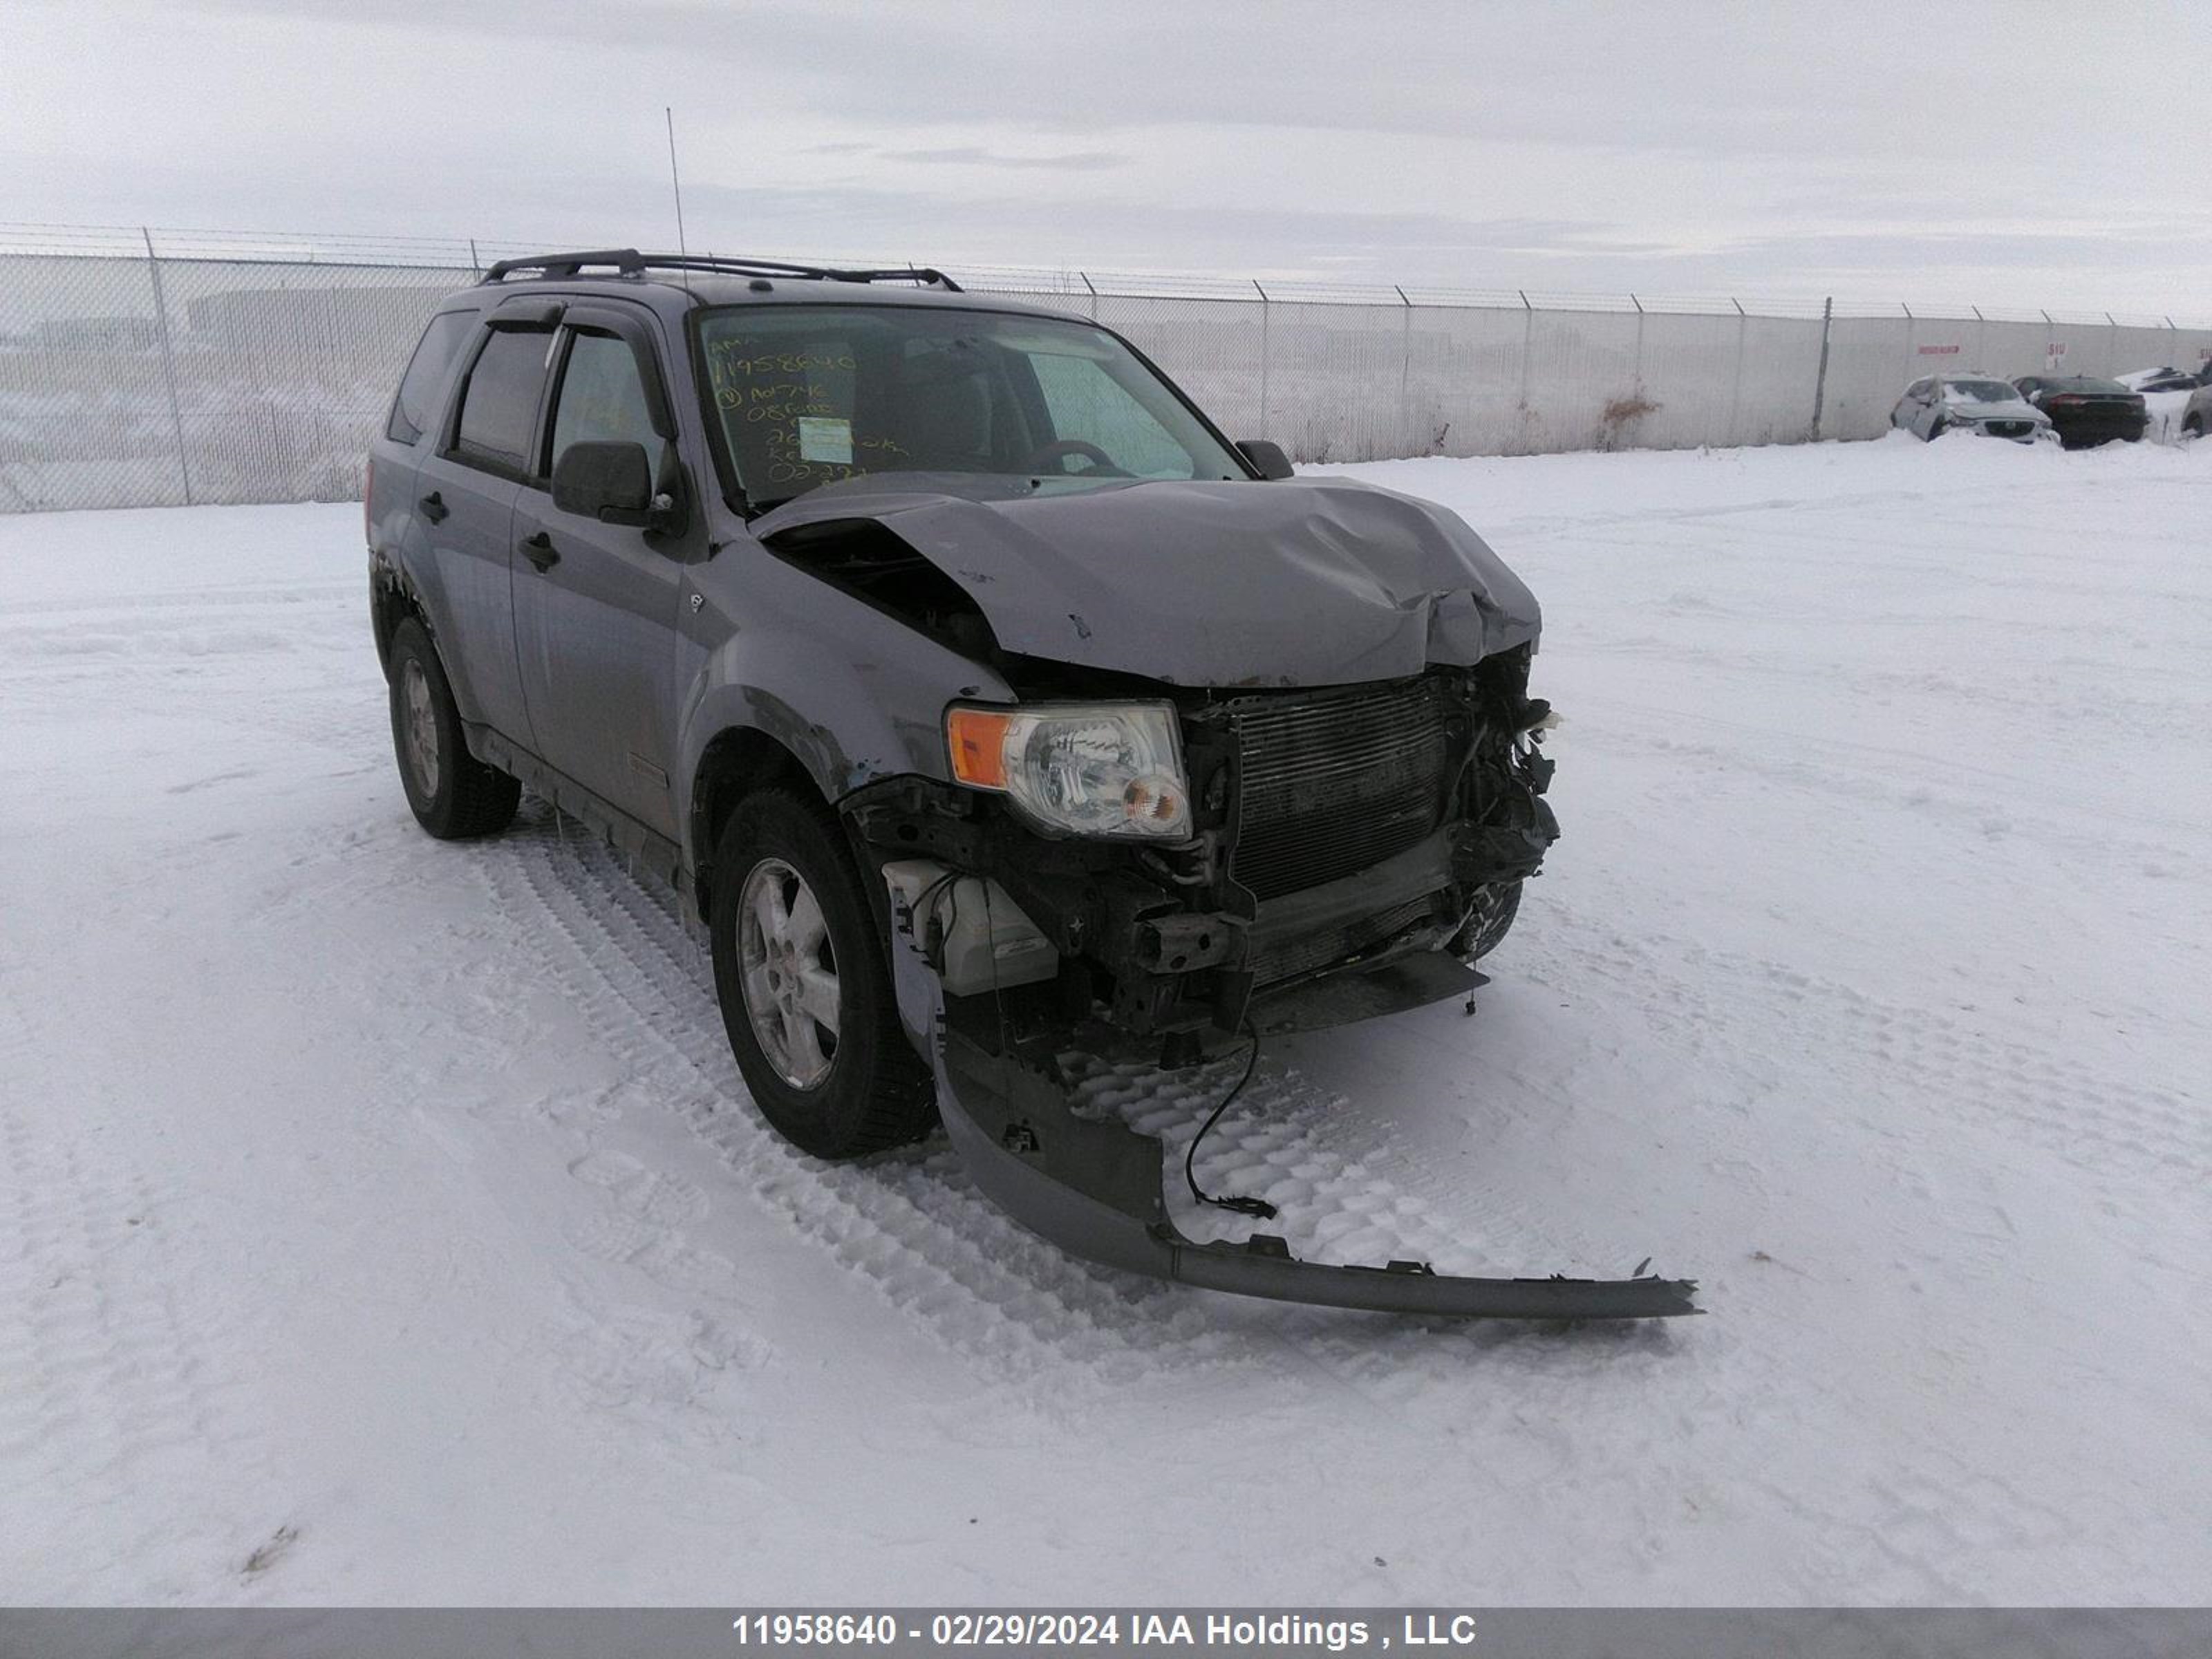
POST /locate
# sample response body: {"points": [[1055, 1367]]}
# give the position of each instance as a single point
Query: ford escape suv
{"points": [[982, 700]]}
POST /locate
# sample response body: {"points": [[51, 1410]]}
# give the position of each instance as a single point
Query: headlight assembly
{"points": [[1109, 769]]}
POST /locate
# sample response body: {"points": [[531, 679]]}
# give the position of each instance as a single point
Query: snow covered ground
{"points": [[384, 1221]]}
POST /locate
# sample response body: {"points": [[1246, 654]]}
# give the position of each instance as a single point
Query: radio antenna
{"points": [[676, 186]]}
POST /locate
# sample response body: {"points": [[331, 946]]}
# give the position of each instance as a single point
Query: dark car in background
{"points": [[2087, 411]]}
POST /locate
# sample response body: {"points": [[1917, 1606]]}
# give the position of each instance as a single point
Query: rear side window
{"points": [[499, 405], [412, 413]]}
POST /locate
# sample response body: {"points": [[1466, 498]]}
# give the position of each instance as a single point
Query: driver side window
{"points": [[1085, 402], [603, 400]]}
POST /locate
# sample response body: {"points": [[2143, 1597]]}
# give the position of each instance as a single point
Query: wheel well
{"points": [[391, 603], [735, 763]]}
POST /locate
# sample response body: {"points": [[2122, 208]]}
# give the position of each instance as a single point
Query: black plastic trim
{"points": [[1094, 1188], [628, 262]]}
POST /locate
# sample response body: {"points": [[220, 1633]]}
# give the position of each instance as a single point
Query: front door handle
{"points": [[540, 551], [434, 509]]}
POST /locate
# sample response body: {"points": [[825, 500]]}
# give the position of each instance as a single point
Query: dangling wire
{"points": [[932, 934], [1240, 1204]]}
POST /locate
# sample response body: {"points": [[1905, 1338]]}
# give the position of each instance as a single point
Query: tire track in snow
{"points": [[906, 1222], [2112, 1128], [1283, 1140], [912, 1226], [109, 1388], [293, 595], [1917, 1537], [1861, 776]]}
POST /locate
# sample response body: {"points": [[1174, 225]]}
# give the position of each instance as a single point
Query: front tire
{"points": [[804, 983], [454, 795]]}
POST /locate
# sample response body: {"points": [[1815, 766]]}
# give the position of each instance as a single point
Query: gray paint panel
{"points": [[856, 695]]}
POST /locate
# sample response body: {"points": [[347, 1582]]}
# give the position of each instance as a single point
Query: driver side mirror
{"points": [[610, 481], [1268, 459]]}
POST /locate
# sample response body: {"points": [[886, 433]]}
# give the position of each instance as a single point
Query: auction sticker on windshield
{"points": [[826, 439]]}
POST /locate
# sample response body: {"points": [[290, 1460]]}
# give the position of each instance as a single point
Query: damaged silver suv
{"points": [[984, 699]]}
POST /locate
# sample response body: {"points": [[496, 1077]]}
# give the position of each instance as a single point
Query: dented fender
{"points": [[856, 695]]}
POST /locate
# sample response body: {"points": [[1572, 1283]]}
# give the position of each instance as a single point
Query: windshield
{"points": [[1980, 391], [809, 395]]}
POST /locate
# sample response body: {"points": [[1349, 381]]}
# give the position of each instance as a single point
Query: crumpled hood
{"points": [[1299, 581]]}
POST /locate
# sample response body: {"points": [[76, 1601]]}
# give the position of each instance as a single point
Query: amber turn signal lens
{"points": [[976, 739]]}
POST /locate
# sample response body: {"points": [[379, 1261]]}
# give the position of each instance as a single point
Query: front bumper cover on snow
{"points": [[1094, 1188]]}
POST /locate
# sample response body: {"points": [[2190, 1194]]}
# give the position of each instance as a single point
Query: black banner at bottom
{"points": [[909, 1633]]}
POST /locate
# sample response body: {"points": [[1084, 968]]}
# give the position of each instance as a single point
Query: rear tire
{"points": [[795, 940], [454, 795]]}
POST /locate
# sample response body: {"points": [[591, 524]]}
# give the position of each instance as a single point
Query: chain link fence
{"points": [[156, 368]]}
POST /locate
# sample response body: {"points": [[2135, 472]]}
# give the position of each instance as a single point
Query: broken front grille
{"points": [[1332, 783]]}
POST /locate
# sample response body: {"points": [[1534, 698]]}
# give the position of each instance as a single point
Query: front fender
{"points": [[854, 694]]}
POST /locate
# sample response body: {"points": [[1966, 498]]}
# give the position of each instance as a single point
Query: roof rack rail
{"points": [[628, 262]]}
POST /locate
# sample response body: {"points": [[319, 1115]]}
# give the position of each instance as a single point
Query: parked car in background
{"points": [[2196, 414], [2087, 411], [2168, 378], [1979, 404]]}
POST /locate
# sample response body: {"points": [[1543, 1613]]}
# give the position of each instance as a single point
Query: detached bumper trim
{"points": [[1094, 1188]]}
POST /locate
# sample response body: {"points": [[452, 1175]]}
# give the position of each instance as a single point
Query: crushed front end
{"points": [[1344, 852]]}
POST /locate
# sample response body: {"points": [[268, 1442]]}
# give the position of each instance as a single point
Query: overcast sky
{"points": [[2021, 154]]}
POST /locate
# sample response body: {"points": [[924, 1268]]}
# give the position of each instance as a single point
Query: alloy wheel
{"points": [[788, 972], [422, 757]]}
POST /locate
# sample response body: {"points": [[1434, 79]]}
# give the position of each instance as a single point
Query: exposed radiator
{"points": [[1330, 783]]}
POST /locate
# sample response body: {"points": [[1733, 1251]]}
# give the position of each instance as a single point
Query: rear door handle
{"points": [[434, 509], [540, 551]]}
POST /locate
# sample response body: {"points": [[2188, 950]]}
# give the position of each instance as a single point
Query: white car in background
{"points": [[1970, 403]]}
